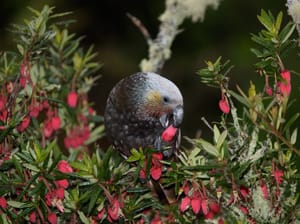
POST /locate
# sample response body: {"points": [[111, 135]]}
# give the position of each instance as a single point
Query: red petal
{"points": [[52, 218], [72, 99], [155, 172], [196, 204], [204, 206], [185, 203], [169, 133], [214, 207], [286, 75], [224, 106]]}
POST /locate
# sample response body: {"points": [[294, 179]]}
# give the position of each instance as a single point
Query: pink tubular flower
{"points": [[286, 75], [169, 133], [264, 190], [156, 172], [55, 122], [244, 210], [209, 215], [32, 217], [214, 207], [72, 99], [284, 88], [114, 210], [62, 183], [224, 105], [47, 129], [3, 203], [64, 167], [185, 203], [278, 174], [269, 91], [196, 204], [204, 206], [244, 191], [24, 124], [52, 218], [101, 214]]}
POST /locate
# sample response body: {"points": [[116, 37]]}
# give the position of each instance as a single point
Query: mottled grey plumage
{"points": [[139, 108]]}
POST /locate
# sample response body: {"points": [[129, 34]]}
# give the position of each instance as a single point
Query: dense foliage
{"points": [[53, 171]]}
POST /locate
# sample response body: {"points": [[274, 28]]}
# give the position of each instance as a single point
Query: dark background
{"points": [[224, 32]]}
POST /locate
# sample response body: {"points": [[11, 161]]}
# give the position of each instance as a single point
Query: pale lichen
{"points": [[294, 12], [175, 13]]}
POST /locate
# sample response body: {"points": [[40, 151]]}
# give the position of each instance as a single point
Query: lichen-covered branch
{"points": [[175, 13], [294, 12]]}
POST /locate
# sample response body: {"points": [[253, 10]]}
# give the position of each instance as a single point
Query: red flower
{"points": [[269, 91], [24, 124], [64, 167], [156, 219], [62, 183], [47, 129], [196, 204], [155, 172], [3, 203], [169, 133], [209, 215], [157, 156], [286, 75], [204, 206], [55, 121], [100, 214], [224, 105], [32, 217], [9, 87], [60, 193], [114, 209], [278, 174], [284, 88], [244, 191], [72, 99], [142, 174], [3, 101], [264, 190], [214, 207], [220, 221], [23, 81], [244, 210], [52, 218], [185, 203]]}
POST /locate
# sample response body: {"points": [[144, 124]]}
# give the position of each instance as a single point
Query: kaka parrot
{"points": [[144, 110]]}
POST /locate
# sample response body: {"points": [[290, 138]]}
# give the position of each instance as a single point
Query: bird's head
{"points": [[163, 100]]}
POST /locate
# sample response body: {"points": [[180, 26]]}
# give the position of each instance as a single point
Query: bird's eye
{"points": [[166, 99]]}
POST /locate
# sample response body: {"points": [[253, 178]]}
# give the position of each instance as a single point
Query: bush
{"points": [[53, 171]]}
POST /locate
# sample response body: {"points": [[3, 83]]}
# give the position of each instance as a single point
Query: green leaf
{"points": [[17, 204], [83, 218], [208, 147], [278, 21], [265, 20], [294, 136]]}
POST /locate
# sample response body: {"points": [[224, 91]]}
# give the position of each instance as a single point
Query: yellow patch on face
{"points": [[154, 97]]}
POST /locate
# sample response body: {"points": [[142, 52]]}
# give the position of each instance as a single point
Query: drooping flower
{"points": [[155, 172], [244, 210], [3, 203], [278, 174], [209, 215], [196, 204], [224, 105], [52, 218], [214, 207], [101, 214], [62, 183], [269, 91], [284, 88], [64, 167], [264, 190], [24, 124], [32, 217], [56, 122], [185, 203], [169, 133], [244, 191], [114, 210], [72, 99], [286, 75], [204, 206]]}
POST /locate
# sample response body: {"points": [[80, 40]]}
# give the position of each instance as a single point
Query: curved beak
{"points": [[177, 116]]}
